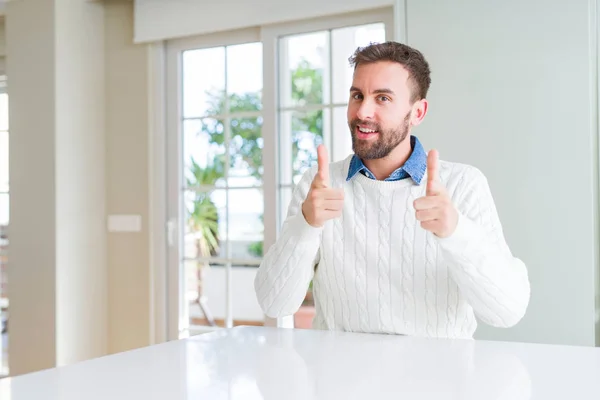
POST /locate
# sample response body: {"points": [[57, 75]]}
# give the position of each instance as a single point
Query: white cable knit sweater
{"points": [[376, 270]]}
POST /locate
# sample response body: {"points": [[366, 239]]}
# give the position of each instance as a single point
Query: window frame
{"points": [[179, 321]]}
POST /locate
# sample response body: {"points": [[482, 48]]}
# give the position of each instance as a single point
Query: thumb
{"points": [[323, 164], [433, 171]]}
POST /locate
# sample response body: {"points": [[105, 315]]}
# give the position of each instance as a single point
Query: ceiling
{"points": [[3, 5]]}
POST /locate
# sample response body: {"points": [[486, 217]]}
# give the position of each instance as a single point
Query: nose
{"points": [[366, 110]]}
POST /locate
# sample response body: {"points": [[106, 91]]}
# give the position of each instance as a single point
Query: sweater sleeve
{"points": [[495, 283], [287, 268]]}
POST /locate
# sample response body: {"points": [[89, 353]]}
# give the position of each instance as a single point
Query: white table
{"points": [[268, 363]]}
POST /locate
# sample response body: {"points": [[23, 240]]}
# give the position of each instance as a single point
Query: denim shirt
{"points": [[414, 167]]}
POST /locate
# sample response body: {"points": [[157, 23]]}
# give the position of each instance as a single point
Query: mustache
{"points": [[369, 125]]}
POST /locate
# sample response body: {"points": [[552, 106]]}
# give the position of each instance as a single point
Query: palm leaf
{"points": [[204, 216]]}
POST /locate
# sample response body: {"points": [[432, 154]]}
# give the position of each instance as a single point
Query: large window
{"points": [[220, 203], [246, 110]]}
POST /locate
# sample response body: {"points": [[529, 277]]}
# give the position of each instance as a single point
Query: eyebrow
{"points": [[377, 91]]}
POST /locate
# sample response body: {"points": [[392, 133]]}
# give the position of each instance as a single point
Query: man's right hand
{"points": [[322, 202]]}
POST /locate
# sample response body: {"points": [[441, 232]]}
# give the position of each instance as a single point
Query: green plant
{"points": [[203, 216], [256, 249], [246, 136]]}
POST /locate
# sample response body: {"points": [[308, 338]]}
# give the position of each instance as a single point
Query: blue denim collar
{"points": [[414, 167]]}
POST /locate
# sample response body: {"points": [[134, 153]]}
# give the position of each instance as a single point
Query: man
{"points": [[395, 240]]}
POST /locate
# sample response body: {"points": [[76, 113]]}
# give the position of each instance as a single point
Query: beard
{"points": [[387, 140]]}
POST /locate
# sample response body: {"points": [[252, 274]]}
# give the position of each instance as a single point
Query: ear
{"points": [[419, 110]]}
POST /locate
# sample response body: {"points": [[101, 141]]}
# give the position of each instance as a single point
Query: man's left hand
{"points": [[435, 210]]}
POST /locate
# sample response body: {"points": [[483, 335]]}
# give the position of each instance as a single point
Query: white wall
{"points": [[57, 269], [127, 174], [80, 181], [159, 19], [88, 292], [513, 93], [32, 301]]}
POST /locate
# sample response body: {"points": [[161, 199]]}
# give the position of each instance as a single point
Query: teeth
{"points": [[365, 130]]}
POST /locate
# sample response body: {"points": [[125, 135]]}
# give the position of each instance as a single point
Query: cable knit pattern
{"points": [[378, 271], [407, 265], [430, 287], [282, 278], [360, 263], [338, 250], [383, 261], [339, 254]]}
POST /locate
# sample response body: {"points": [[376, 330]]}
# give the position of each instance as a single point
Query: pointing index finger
{"points": [[433, 171], [323, 163]]}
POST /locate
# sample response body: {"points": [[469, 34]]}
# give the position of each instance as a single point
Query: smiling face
{"points": [[380, 110]]}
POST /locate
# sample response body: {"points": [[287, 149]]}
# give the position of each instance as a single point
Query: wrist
{"points": [[303, 227], [450, 225], [307, 219], [464, 237]]}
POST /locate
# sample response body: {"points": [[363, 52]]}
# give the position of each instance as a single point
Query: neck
{"points": [[383, 167]]}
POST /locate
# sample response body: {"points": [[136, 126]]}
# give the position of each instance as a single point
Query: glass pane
{"points": [[203, 82], [246, 166], [3, 112], [244, 77], [304, 69], [3, 209], [245, 308], [210, 308], [203, 152], [341, 146], [3, 161], [246, 208], [205, 232], [344, 43], [302, 132], [206, 293]]}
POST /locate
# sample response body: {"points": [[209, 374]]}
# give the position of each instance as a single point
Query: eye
{"points": [[357, 96], [384, 98]]}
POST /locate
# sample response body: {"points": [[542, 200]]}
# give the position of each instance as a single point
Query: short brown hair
{"points": [[411, 59]]}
